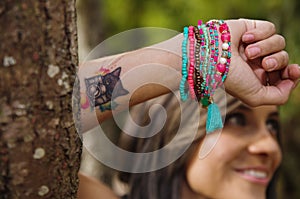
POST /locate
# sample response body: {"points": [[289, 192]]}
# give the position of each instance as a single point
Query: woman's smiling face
{"points": [[243, 161]]}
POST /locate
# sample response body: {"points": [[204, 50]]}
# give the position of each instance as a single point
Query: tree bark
{"points": [[39, 147]]}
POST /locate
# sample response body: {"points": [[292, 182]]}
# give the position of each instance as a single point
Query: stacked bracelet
{"points": [[207, 68], [183, 93], [191, 61]]}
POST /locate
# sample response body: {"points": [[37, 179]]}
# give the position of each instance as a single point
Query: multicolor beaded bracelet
{"points": [[207, 68]]}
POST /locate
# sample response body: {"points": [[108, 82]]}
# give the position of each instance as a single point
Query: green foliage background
{"points": [[115, 16]]}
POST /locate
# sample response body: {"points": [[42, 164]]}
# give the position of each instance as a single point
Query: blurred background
{"points": [[101, 19]]}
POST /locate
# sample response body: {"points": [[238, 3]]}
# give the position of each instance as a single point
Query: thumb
{"points": [[276, 95]]}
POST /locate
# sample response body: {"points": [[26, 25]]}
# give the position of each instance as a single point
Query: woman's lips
{"points": [[255, 175]]}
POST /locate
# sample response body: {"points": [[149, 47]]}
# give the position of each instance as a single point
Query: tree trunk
{"points": [[39, 147]]}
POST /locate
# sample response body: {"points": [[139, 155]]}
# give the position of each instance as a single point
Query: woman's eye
{"points": [[237, 119], [273, 126]]}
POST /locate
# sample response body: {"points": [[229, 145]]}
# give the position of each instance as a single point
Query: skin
{"points": [[248, 141], [92, 188], [257, 53]]}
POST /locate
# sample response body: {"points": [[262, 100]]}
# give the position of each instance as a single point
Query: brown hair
{"points": [[166, 182]]}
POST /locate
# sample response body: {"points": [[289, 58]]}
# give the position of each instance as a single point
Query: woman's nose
{"points": [[264, 144]]}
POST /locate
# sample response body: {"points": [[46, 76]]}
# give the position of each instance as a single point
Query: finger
{"points": [[292, 72], [276, 95], [265, 47], [258, 30], [276, 61]]}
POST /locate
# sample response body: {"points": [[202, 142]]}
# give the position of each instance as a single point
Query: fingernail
{"points": [[271, 64], [247, 37], [253, 52], [296, 84]]}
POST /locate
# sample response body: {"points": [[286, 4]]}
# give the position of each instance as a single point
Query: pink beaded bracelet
{"points": [[192, 62]]}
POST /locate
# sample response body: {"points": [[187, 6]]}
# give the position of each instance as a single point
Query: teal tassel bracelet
{"points": [[214, 118]]}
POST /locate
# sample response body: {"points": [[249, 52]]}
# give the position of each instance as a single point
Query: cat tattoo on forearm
{"points": [[104, 88]]}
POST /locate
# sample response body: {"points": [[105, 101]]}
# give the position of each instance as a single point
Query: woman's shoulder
{"points": [[92, 188]]}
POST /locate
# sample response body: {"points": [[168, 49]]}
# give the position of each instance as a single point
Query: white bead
{"points": [[225, 46], [223, 60]]}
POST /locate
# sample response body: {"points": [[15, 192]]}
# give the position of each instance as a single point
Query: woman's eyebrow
{"points": [[244, 107], [274, 114], [241, 107]]}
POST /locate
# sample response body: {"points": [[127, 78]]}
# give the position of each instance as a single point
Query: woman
{"points": [[240, 165], [245, 157], [239, 162]]}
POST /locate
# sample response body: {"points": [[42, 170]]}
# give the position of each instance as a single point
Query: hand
{"points": [[259, 72]]}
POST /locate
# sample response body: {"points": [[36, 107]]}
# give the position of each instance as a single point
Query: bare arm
{"points": [[154, 71], [160, 66]]}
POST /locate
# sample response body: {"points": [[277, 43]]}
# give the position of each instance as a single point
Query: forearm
{"points": [[153, 71], [142, 74]]}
